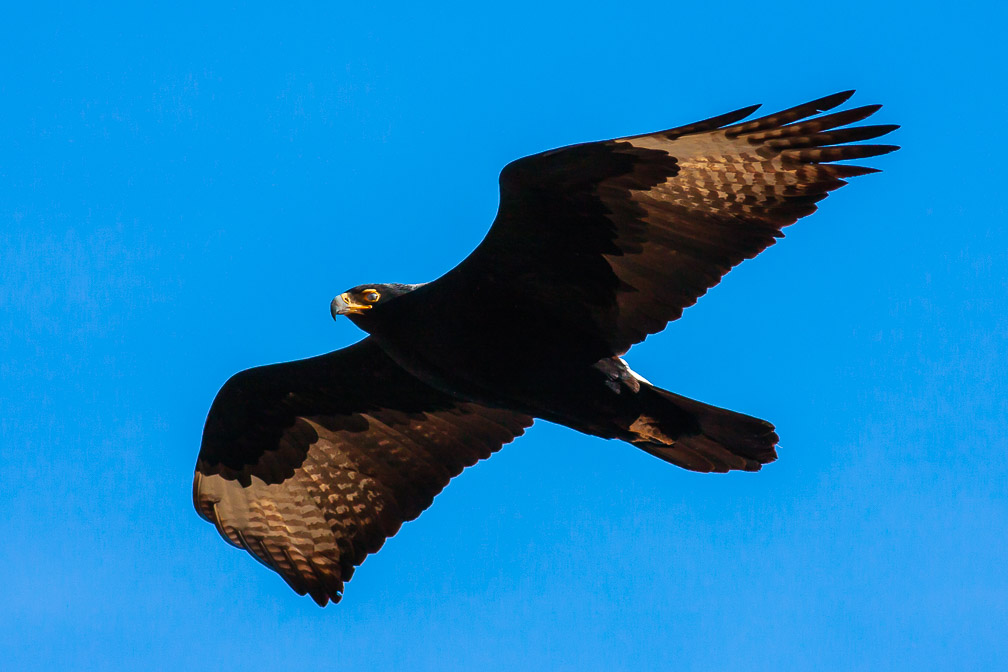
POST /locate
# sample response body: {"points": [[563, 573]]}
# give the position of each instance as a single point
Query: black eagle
{"points": [[310, 465]]}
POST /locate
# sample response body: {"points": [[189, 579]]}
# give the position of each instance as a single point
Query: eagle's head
{"points": [[362, 299]]}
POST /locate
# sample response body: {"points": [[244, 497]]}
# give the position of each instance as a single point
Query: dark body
{"points": [[502, 359], [311, 465]]}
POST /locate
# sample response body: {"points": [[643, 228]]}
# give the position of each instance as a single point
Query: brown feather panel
{"points": [[333, 482], [734, 191], [729, 200]]}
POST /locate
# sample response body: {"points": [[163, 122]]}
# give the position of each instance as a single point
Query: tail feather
{"points": [[720, 440]]}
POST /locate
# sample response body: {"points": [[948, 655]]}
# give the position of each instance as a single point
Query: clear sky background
{"points": [[183, 190]]}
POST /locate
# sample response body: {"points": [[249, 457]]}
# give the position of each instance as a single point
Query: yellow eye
{"points": [[370, 295]]}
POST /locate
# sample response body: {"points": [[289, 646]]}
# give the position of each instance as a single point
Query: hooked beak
{"points": [[344, 305]]}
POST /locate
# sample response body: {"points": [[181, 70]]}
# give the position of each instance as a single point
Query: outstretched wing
{"points": [[612, 240], [311, 465]]}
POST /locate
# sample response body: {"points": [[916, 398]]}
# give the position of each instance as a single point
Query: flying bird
{"points": [[310, 465]]}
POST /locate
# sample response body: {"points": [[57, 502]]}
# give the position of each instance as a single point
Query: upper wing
{"points": [[311, 465], [613, 239]]}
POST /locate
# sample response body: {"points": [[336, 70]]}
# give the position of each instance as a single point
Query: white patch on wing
{"points": [[634, 373]]}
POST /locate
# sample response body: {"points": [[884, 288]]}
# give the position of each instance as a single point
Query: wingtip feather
{"points": [[713, 123], [833, 100]]}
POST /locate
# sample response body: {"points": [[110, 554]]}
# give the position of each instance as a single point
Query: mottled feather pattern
{"points": [[616, 238], [733, 191], [346, 483]]}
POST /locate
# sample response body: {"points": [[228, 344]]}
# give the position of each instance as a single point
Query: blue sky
{"points": [[184, 188]]}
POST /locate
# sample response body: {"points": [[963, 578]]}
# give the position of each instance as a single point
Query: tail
{"points": [[715, 439]]}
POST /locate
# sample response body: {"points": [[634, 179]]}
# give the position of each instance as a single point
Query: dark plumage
{"points": [[311, 465]]}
